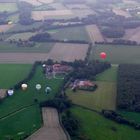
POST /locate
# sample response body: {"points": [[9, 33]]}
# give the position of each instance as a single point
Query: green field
{"points": [[39, 47], [13, 107], [10, 74], [20, 124], [103, 98], [71, 33], [109, 75], [117, 54], [9, 7], [131, 115], [96, 127]]}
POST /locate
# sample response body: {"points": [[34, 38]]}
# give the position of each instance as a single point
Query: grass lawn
{"points": [[39, 47], [16, 106], [20, 124], [103, 98], [109, 75], [117, 54], [9, 7], [97, 127], [131, 115], [71, 33], [10, 74]]}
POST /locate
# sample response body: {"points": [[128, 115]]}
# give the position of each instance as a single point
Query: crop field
{"points": [[20, 27], [77, 6], [58, 6], [94, 33], [46, 1], [41, 15], [121, 12], [33, 2], [51, 129], [6, 27], [103, 98], [38, 48], [83, 12], [71, 33], [132, 34], [96, 127], [9, 7], [22, 36], [117, 54], [68, 52], [15, 110]]}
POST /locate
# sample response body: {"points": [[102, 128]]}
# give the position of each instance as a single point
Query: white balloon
{"points": [[24, 86], [44, 65], [10, 92], [38, 86]]}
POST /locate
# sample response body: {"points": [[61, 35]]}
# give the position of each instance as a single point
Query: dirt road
{"points": [[52, 129]]}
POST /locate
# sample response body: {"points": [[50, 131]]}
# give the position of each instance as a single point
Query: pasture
{"points": [[94, 33], [14, 110], [33, 2], [68, 52], [71, 33], [9, 7], [109, 75], [104, 97], [96, 127], [117, 54]]}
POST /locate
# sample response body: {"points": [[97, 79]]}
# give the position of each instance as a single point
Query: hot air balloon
{"points": [[103, 55], [38, 86], [24, 86], [48, 89], [10, 92], [44, 65]]}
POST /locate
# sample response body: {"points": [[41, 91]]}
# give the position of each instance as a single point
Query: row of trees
{"points": [[120, 119], [128, 90]]}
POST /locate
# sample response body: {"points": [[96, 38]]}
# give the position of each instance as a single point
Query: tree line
{"points": [[128, 87]]}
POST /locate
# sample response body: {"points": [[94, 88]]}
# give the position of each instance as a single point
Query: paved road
{"points": [[51, 129]]}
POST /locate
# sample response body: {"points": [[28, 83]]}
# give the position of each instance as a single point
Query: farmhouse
{"points": [[84, 85]]}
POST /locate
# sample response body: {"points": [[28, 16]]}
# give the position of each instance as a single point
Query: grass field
{"points": [[10, 74], [131, 115], [103, 98], [9, 7], [71, 33], [38, 48], [109, 75], [20, 124], [96, 127], [117, 54], [17, 105]]}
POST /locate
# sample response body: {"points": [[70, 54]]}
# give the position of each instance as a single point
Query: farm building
{"points": [[84, 85]]}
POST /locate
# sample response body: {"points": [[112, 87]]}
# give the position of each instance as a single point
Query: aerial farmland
{"points": [[69, 69]]}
